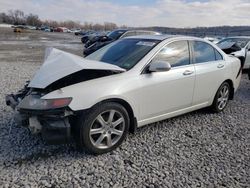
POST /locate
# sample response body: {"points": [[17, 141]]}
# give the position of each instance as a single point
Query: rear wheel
{"points": [[221, 98], [103, 128]]}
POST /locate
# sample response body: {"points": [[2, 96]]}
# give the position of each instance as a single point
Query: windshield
{"points": [[241, 42], [124, 53], [116, 34]]}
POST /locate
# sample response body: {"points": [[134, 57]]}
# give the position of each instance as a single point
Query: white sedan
{"points": [[239, 47], [127, 84]]}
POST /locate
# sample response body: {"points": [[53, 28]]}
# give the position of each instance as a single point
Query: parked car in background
{"points": [[88, 36], [239, 47], [47, 30], [43, 27], [98, 36], [19, 28], [99, 42], [111, 36], [31, 27], [75, 30], [127, 84], [61, 29], [212, 39], [81, 32], [114, 35]]}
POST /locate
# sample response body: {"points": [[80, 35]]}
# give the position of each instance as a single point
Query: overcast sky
{"points": [[169, 13]]}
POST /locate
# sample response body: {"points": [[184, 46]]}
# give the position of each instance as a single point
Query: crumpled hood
{"points": [[226, 45], [233, 49], [58, 64]]}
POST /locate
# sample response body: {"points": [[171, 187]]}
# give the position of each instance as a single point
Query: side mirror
{"points": [[159, 66]]}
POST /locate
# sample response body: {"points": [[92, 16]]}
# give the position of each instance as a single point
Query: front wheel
{"points": [[103, 128], [221, 98]]}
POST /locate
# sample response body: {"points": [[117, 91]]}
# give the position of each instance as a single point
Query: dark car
{"points": [[113, 36], [99, 41], [80, 32], [87, 36], [98, 37]]}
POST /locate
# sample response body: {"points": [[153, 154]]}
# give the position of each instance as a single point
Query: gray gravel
{"points": [[199, 149]]}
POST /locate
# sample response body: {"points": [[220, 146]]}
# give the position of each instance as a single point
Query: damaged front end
{"points": [[49, 117], [53, 117], [232, 48]]}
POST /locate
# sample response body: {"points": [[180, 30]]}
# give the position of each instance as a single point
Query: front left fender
{"points": [[85, 99]]}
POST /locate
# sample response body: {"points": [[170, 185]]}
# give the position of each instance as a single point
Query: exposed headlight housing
{"points": [[34, 102]]}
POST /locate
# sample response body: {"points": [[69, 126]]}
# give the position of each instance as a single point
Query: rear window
{"points": [[203, 52], [218, 56]]}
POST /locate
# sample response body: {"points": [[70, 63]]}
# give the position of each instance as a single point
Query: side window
{"points": [[203, 52], [218, 56], [176, 53]]}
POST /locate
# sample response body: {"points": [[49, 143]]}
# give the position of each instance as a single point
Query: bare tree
{"points": [[17, 16], [124, 27], [88, 26], [33, 20], [50, 23], [70, 24], [109, 26], [4, 18]]}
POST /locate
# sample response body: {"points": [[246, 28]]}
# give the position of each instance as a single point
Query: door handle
{"points": [[188, 72], [220, 66]]}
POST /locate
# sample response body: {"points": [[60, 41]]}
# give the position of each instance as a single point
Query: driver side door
{"points": [[166, 92]]}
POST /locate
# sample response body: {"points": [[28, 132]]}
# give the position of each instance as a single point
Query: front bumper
{"points": [[52, 124]]}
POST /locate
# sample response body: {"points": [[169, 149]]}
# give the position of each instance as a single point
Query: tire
{"points": [[221, 98], [103, 128]]}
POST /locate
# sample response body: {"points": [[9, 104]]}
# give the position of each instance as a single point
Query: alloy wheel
{"points": [[223, 97], [107, 129]]}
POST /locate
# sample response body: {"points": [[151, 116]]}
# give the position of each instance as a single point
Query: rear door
{"points": [[209, 67]]}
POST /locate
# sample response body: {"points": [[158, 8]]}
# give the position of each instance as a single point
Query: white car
{"points": [[212, 39], [127, 84], [239, 47]]}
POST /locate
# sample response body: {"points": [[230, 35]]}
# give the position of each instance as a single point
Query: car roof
{"points": [[120, 30], [136, 30], [238, 37], [163, 37]]}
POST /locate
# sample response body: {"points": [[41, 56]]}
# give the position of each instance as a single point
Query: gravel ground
{"points": [[199, 149]]}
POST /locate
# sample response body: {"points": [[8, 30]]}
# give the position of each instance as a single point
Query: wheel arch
{"points": [[127, 106], [230, 82]]}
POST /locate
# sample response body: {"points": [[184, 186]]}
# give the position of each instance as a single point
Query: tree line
{"points": [[217, 31], [18, 17]]}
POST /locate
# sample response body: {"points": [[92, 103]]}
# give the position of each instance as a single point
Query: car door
{"points": [[164, 92], [209, 67]]}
